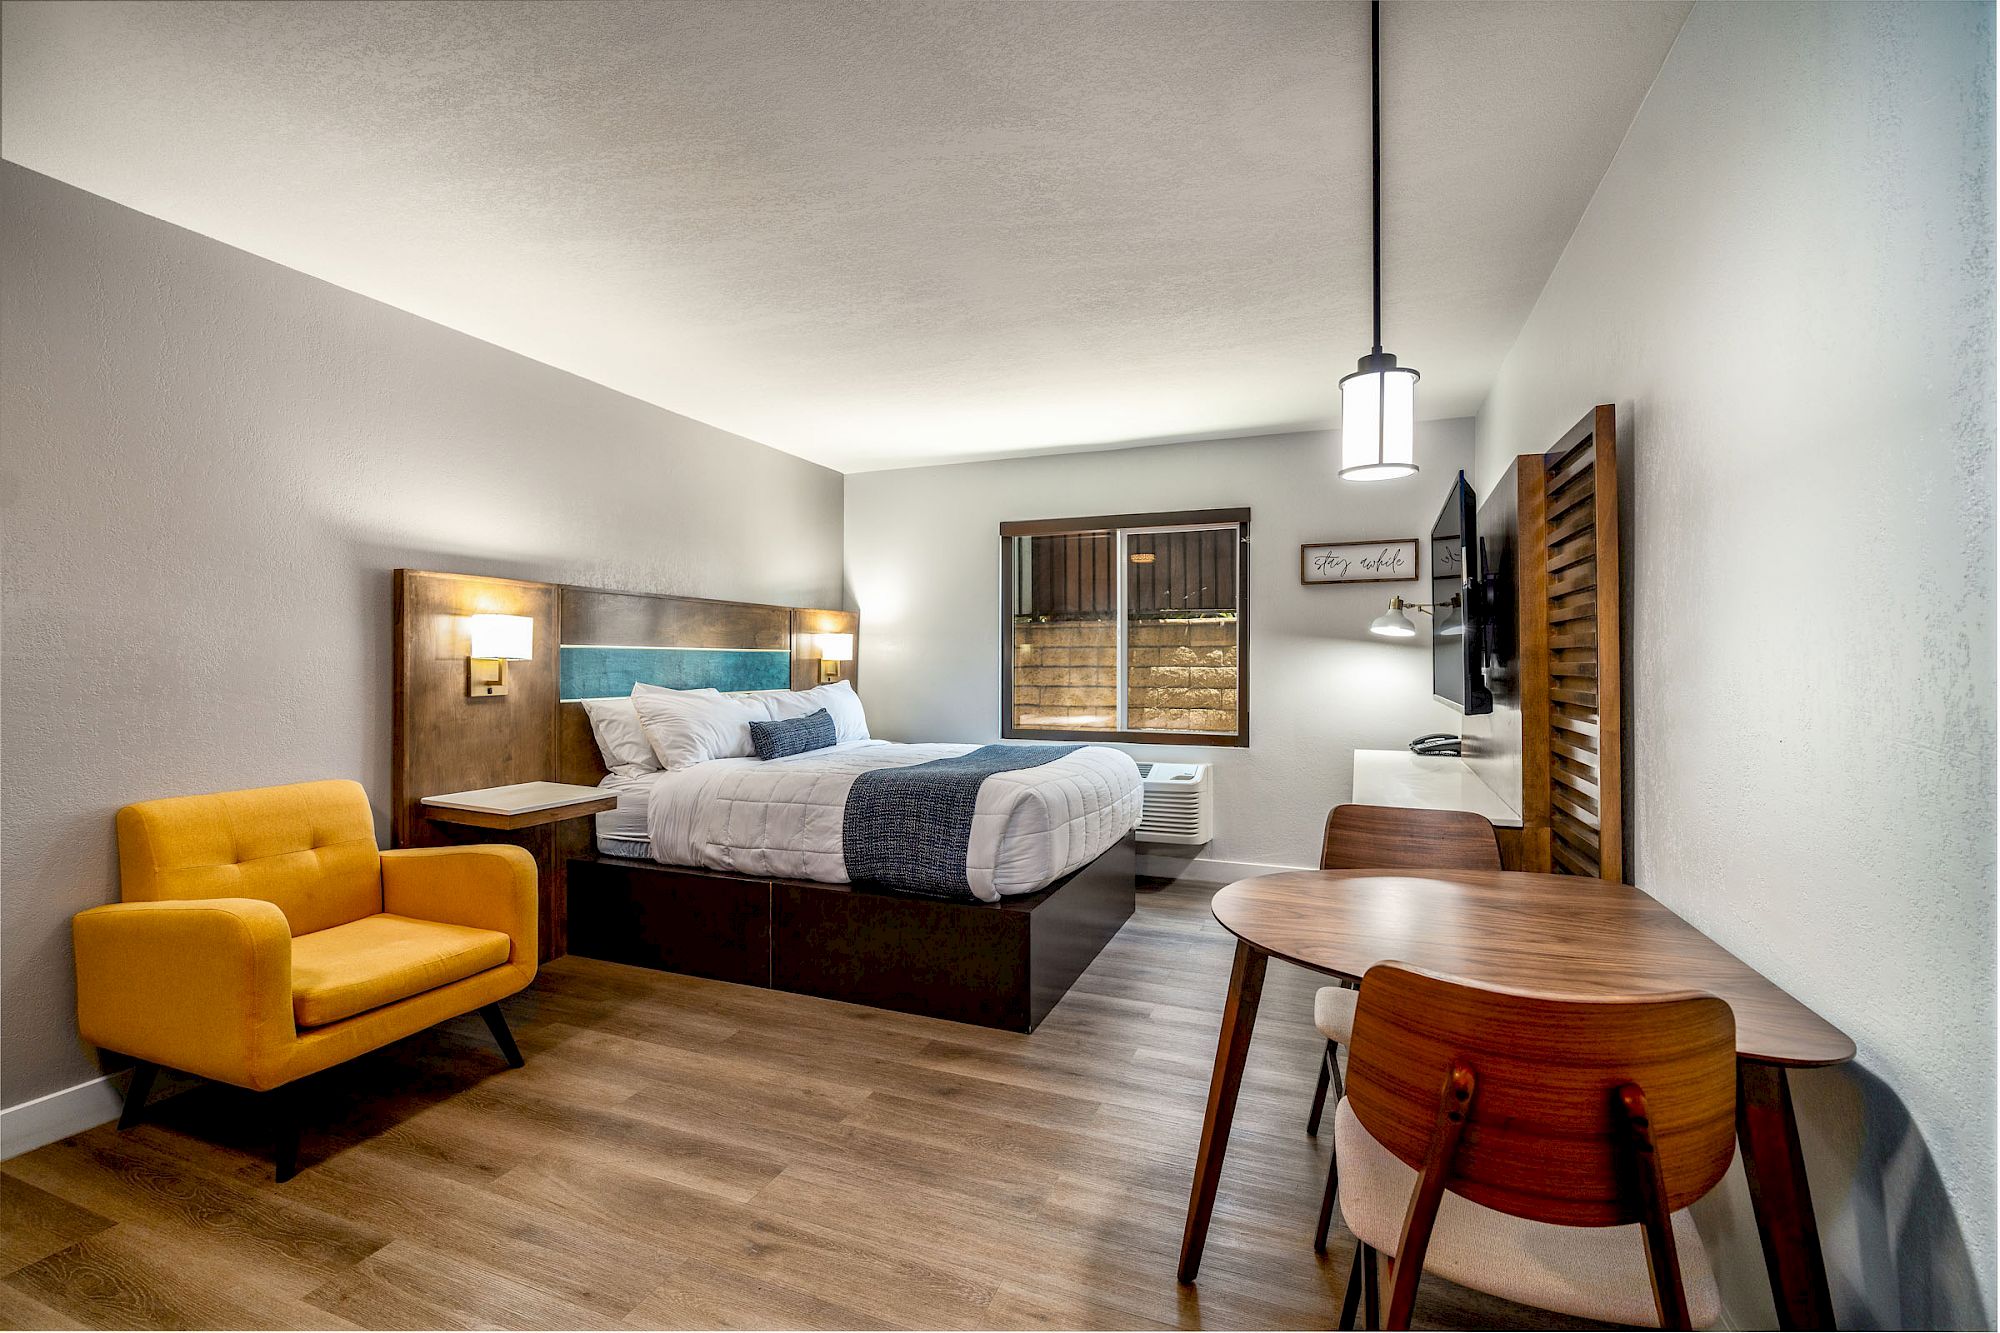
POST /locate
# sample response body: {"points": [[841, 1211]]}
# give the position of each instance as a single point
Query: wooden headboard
{"points": [[692, 642], [588, 642], [445, 740]]}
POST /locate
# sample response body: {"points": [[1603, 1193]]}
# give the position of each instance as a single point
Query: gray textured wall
{"points": [[923, 568], [211, 464], [1785, 282]]}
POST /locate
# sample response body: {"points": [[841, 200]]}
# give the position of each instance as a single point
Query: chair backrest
{"points": [[1386, 837], [1545, 1136], [309, 848]]}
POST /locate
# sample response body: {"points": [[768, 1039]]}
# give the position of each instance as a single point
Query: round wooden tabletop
{"points": [[1553, 933]]}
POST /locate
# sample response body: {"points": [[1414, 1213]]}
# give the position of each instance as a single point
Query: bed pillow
{"points": [[793, 735], [840, 701], [620, 738], [689, 727]]}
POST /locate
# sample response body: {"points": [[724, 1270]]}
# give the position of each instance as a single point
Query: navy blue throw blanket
{"points": [[909, 828]]}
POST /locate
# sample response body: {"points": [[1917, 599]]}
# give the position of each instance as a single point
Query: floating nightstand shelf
{"points": [[522, 805]]}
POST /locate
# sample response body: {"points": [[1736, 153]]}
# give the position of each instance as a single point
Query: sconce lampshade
{"points": [[836, 647], [1393, 624], [505, 638]]}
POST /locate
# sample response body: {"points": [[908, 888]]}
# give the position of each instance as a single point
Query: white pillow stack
{"points": [[658, 727], [620, 739], [840, 701], [689, 727], [674, 729]]}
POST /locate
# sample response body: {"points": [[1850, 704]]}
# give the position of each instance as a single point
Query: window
{"points": [[1129, 627]]}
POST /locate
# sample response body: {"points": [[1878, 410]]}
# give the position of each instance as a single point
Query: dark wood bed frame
{"points": [[1002, 965]]}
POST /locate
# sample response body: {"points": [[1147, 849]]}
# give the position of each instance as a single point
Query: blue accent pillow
{"points": [[794, 735]]}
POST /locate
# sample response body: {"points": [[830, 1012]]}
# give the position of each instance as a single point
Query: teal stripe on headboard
{"points": [[597, 673]]}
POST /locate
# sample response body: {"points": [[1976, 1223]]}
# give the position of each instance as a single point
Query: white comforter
{"points": [[782, 817]]}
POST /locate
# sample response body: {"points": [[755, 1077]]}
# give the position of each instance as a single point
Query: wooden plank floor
{"points": [[690, 1154]]}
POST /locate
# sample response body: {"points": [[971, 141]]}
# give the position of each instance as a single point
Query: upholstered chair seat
{"points": [[1333, 1013], [1589, 1272], [346, 970]]}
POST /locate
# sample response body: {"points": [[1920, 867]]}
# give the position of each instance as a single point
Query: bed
{"points": [[732, 870], [1000, 946], [973, 883], [783, 818]]}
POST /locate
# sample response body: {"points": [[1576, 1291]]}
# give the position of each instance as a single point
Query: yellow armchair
{"points": [[263, 937]]}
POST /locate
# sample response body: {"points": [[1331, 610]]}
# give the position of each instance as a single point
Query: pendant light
{"points": [[1378, 402]]}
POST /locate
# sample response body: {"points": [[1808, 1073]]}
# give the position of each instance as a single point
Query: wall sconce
{"points": [[833, 650], [1393, 624], [496, 641]]}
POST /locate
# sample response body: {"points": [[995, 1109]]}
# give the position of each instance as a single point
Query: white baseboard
{"points": [[1201, 869], [28, 1126]]}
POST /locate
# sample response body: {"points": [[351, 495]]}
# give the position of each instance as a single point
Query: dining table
{"points": [[1555, 934]]}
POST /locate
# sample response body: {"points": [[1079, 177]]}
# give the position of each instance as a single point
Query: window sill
{"points": [[1239, 742]]}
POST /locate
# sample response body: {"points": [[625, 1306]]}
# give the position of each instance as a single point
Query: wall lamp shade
{"points": [[833, 650], [1393, 624], [495, 641], [1378, 420], [502, 638]]}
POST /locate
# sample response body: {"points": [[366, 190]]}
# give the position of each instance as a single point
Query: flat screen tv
{"points": [[1458, 627]]}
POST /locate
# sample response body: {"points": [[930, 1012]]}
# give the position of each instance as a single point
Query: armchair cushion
{"points": [[308, 847], [346, 970]]}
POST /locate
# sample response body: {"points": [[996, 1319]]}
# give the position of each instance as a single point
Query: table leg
{"points": [[1239, 1017], [1769, 1135]]}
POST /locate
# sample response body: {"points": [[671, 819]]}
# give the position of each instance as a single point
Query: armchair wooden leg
{"points": [[288, 1116], [136, 1093], [1350, 1304], [1371, 1288], [1326, 1202], [496, 1023], [1319, 1093]]}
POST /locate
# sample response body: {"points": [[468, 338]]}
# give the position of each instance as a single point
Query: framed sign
{"points": [[1393, 560]]}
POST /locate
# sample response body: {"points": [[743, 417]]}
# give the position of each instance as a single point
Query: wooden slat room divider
{"points": [[1572, 700]]}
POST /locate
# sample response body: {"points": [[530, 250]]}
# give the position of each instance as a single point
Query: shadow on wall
{"points": [[1896, 1256], [1905, 1264]]}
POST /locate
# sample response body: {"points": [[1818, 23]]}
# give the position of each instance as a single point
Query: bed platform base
{"points": [[998, 965]]}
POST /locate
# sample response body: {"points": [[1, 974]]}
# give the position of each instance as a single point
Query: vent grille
{"points": [[1179, 803]]}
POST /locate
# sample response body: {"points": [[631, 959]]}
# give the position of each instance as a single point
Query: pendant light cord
{"points": [[1375, 86]]}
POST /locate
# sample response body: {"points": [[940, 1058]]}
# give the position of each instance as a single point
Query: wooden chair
{"points": [[1383, 837], [1537, 1148], [1387, 837]]}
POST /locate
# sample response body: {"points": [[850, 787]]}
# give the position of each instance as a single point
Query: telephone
{"points": [[1437, 743]]}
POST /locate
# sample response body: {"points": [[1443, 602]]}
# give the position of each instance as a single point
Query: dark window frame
{"points": [[1111, 523]]}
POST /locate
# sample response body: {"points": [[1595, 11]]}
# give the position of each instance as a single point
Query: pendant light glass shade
{"points": [[1378, 420]]}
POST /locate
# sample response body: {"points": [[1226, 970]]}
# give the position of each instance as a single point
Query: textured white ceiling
{"points": [[876, 234]]}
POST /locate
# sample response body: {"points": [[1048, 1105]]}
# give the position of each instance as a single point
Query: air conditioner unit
{"points": [[1180, 803]]}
